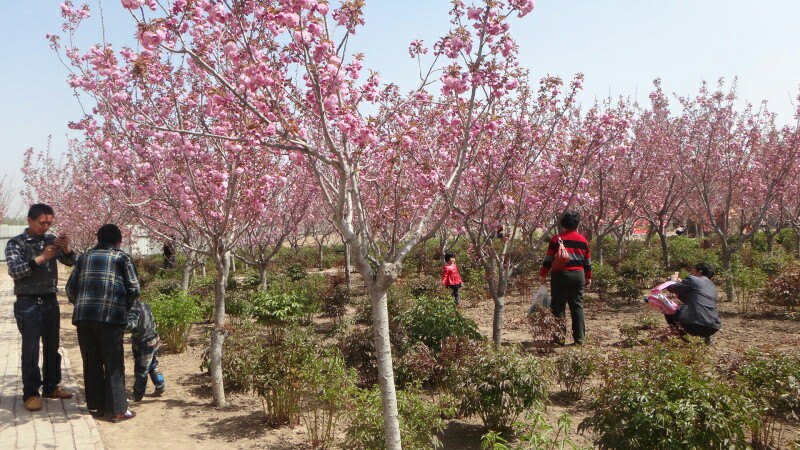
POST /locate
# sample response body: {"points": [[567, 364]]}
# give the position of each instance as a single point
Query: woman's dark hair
{"points": [[36, 210], [448, 256], [109, 234], [705, 269], [570, 220]]}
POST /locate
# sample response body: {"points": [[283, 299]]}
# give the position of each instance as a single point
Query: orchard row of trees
{"points": [[234, 126]]}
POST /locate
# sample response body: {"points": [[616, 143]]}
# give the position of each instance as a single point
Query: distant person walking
{"points": [[31, 259], [103, 287], [451, 279], [168, 250], [569, 261]]}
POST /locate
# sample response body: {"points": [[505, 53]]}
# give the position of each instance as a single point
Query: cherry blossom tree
{"points": [[737, 162], [518, 183], [69, 186], [614, 179], [657, 138], [235, 79]]}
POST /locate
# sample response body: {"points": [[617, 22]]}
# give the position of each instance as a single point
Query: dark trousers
{"points": [[103, 367], [566, 288], [39, 318], [145, 355], [691, 329], [455, 288]]}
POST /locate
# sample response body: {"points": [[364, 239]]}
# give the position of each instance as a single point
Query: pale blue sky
{"points": [[620, 45]]}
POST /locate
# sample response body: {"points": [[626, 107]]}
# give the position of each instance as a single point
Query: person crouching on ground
{"points": [[699, 315], [144, 342], [450, 277]]}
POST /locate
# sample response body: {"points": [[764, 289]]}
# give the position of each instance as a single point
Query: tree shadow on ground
{"points": [[462, 436], [248, 426]]}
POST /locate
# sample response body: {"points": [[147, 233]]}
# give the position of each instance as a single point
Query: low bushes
{"points": [[661, 398], [772, 382], [573, 369], [174, 314], [783, 290], [420, 421], [433, 319]]}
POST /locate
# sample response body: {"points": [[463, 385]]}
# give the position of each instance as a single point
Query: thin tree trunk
{"points": [[188, 269], [383, 351], [222, 261], [319, 255], [665, 258], [726, 266], [262, 277], [347, 265], [497, 319], [651, 230]]}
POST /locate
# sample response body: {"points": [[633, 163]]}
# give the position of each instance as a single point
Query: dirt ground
{"points": [[184, 419]]}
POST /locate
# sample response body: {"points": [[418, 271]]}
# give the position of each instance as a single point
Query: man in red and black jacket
{"points": [[568, 281]]}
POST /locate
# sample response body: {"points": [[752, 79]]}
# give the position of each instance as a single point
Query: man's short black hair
{"points": [[705, 269], [448, 256], [570, 220], [36, 210], [109, 234]]}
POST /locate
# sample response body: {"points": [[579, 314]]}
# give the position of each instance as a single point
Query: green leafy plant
{"points": [[546, 329], [772, 381], [327, 389], [498, 385], [433, 319], [335, 298], [358, 349], [635, 275], [748, 284], [661, 398], [784, 289], [296, 271], [240, 352], [604, 280], [278, 377], [174, 315], [574, 367], [420, 421], [534, 433]]}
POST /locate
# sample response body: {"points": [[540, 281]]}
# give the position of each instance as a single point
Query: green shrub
{"points": [[574, 367], [418, 365], [546, 329], [335, 298], [277, 376], [772, 381], [637, 274], [660, 398], [160, 286], [685, 252], [174, 315], [358, 349], [420, 421], [327, 389], [748, 284], [784, 289], [296, 272], [498, 385], [240, 352], [534, 433], [604, 280], [433, 319], [239, 303]]}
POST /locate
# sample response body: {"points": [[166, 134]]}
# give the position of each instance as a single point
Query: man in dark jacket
{"points": [[103, 287], [144, 341], [31, 259], [698, 316]]}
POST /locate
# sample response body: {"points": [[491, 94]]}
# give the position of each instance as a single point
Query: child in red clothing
{"points": [[450, 276]]}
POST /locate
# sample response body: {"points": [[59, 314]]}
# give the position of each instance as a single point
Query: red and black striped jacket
{"points": [[578, 248]]}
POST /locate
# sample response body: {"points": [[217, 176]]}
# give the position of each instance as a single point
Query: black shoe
{"points": [[137, 397], [159, 390]]}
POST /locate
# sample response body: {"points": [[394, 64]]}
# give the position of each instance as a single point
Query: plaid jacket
{"points": [[30, 278], [103, 286]]}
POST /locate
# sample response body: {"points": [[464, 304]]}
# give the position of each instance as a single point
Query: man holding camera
{"points": [[31, 259]]}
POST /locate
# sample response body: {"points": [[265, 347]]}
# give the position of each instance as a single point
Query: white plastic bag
{"points": [[541, 299]]}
